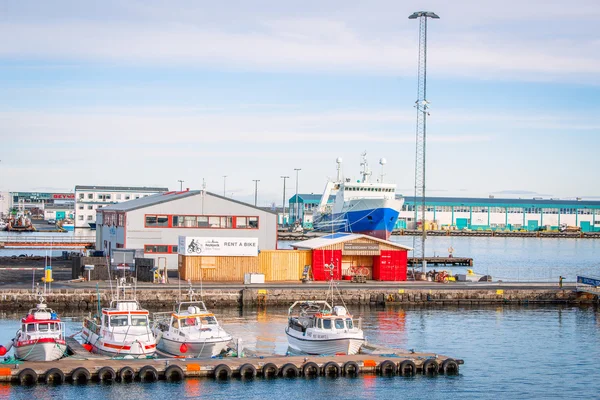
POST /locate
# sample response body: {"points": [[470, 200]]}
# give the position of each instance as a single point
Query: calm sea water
{"points": [[509, 352]]}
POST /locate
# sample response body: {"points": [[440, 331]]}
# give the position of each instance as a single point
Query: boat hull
{"points": [[200, 349], [135, 348], [324, 346], [376, 222], [41, 351]]}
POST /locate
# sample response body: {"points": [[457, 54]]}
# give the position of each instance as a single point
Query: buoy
{"points": [[3, 350], [183, 348]]}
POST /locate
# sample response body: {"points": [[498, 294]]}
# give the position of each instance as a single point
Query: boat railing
{"points": [[199, 304]]}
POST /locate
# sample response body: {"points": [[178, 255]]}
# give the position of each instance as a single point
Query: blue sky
{"points": [[149, 92]]}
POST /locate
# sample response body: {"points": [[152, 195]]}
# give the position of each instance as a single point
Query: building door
{"points": [[586, 226], [462, 223], [532, 226]]}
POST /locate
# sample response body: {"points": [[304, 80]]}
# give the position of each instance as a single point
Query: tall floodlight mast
{"points": [[421, 105]]}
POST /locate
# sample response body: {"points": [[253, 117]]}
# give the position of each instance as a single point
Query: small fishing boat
{"points": [[122, 329], [41, 337], [190, 330], [319, 328], [316, 327]]}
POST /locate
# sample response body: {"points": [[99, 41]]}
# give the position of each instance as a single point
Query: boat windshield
{"points": [[196, 321], [349, 323], [119, 320], [339, 324], [326, 324], [139, 320]]}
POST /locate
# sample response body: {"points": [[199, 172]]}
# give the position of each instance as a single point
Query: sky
{"points": [[146, 93]]}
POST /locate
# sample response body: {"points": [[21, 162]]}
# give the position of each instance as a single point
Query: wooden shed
{"points": [[276, 265], [382, 260]]}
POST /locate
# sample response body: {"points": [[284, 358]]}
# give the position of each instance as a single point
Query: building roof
{"points": [[160, 198], [486, 201], [336, 238], [123, 188]]}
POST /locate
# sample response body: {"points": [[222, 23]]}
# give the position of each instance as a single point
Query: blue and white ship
{"points": [[370, 208]]}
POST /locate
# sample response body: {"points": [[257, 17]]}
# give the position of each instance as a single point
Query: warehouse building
{"points": [[155, 223], [352, 254], [505, 214], [90, 198]]}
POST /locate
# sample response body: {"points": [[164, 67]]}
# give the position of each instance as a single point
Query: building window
{"points": [[118, 196], [241, 223], [81, 196], [89, 218], [160, 248], [127, 197], [253, 222], [90, 196], [90, 207], [157, 220], [80, 217], [81, 207], [121, 220]]}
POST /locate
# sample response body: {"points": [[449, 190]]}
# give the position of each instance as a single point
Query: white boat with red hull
{"points": [[41, 337]]}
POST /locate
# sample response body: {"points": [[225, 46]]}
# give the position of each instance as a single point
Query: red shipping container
{"points": [[322, 257], [390, 265]]}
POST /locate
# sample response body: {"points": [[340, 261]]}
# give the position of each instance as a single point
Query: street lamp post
{"points": [[283, 218], [180, 185], [224, 185], [256, 191], [297, 213]]}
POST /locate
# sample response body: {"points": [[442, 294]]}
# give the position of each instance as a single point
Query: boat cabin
{"points": [[333, 320], [41, 321]]}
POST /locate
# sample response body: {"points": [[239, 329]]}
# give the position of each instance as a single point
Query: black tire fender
{"points": [[289, 370], [430, 367], [126, 374], [331, 369], [270, 370], [106, 374], [80, 375], [174, 373], [28, 377], [450, 367], [310, 369], [148, 374], [407, 368], [351, 368], [247, 371], [387, 367], [222, 371], [54, 376]]}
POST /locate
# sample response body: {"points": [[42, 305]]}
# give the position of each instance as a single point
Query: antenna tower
{"points": [[422, 112]]}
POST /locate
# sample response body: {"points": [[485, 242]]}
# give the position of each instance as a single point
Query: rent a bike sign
{"points": [[217, 246]]}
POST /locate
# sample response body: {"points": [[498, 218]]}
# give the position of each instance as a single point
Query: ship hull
{"points": [[376, 222], [197, 349], [41, 350], [350, 345]]}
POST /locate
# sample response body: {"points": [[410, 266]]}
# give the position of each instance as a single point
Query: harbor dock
{"points": [[83, 367]]}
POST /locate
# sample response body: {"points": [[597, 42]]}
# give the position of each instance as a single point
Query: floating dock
{"points": [[83, 367]]}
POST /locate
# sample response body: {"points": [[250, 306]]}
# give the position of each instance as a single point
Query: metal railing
{"points": [[47, 239]]}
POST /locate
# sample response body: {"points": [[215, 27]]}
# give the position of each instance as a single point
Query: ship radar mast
{"points": [[339, 168], [382, 162], [366, 172]]}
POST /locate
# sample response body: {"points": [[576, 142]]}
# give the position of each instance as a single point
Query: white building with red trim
{"points": [[154, 223]]}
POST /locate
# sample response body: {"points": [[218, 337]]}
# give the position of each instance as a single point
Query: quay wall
{"points": [[164, 298]]}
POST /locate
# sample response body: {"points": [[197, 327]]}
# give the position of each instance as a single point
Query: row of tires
{"points": [[333, 369], [105, 374], [222, 371]]}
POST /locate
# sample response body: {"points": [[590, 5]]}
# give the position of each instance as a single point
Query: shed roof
{"points": [[336, 238]]}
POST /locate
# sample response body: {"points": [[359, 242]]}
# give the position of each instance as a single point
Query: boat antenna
{"points": [[178, 286]]}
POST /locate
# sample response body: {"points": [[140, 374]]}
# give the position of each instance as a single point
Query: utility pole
{"points": [[297, 214], [255, 191], [422, 106], [283, 218], [180, 185], [224, 185]]}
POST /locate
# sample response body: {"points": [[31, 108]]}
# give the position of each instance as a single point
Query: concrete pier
{"points": [[227, 295]]}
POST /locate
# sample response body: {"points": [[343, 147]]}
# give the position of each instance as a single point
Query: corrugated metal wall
{"points": [[276, 265]]}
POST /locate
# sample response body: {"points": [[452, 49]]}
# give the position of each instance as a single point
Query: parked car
{"points": [[51, 222]]}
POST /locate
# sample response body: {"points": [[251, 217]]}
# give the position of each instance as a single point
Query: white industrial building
{"points": [[90, 198], [155, 223]]}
